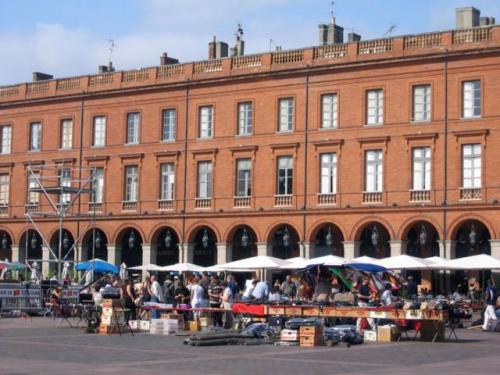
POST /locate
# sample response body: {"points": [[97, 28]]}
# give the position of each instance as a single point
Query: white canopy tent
{"points": [[438, 263], [475, 262], [182, 267], [254, 263], [366, 259], [327, 260], [147, 267], [294, 263], [404, 262]]}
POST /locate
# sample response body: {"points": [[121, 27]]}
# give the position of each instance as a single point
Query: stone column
{"points": [[351, 249], [183, 248], [16, 256], [263, 249], [396, 247], [189, 255], [305, 250], [112, 255], [494, 245], [45, 263], [446, 249], [146, 258], [221, 253]]}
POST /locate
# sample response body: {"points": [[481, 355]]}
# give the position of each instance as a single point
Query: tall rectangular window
{"points": [[286, 115], [375, 107], [471, 99], [206, 122], [204, 179], [421, 168], [133, 127], [169, 124], [285, 175], [167, 181], [471, 166], [33, 196], [131, 183], [422, 103], [245, 118], [97, 185], [35, 136], [328, 173], [4, 189], [373, 171], [244, 178], [66, 134], [65, 181], [5, 139], [99, 131], [329, 111]]}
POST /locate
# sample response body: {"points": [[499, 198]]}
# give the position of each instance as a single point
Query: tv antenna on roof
{"points": [[332, 11], [111, 48], [391, 28]]}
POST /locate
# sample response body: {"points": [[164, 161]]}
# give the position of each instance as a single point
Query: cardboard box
{"points": [[105, 329], [387, 333], [276, 310], [293, 311], [289, 335], [311, 311], [328, 311], [113, 303], [192, 325], [144, 325], [133, 324], [113, 320], [370, 336], [311, 340]]}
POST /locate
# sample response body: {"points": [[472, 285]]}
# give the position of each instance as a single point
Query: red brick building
{"points": [[375, 148]]}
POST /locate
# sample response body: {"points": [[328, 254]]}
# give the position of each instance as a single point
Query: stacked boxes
{"points": [[311, 336], [388, 333], [290, 335], [112, 317], [170, 326], [370, 336], [178, 317], [156, 327]]}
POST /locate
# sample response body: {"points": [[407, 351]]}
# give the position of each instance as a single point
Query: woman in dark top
{"points": [[128, 294]]}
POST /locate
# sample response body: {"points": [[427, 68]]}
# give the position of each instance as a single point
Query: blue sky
{"points": [[68, 37]]}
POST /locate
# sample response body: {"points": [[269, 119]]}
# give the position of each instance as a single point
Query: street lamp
{"points": [[131, 240], [329, 237], [286, 237], [168, 239], [244, 238], [375, 236], [422, 236], [204, 239]]}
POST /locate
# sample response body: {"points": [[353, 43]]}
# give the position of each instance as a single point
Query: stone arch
{"points": [[360, 225], [192, 230], [408, 223], [164, 242], [119, 230], [204, 246], [242, 242], [129, 246], [6, 242], [10, 233], [34, 242], [327, 239], [421, 239], [455, 224], [229, 233], [316, 226], [374, 239], [284, 241], [471, 237], [67, 248], [95, 245], [272, 228]]}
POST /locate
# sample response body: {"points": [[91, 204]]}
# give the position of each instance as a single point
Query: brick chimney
{"points": [[165, 60]]}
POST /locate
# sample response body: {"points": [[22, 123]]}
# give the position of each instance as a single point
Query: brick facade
{"points": [[348, 217]]}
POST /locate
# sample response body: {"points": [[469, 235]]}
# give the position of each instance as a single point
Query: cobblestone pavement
{"points": [[43, 346]]}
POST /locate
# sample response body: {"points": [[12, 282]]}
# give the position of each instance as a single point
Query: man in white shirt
{"points": [[387, 298], [261, 291], [156, 294]]}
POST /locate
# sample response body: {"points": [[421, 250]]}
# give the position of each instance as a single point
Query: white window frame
{"points": [[97, 185], [374, 107], [471, 99], [374, 171], [169, 124], [66, 134], [99, 131], [284, 175], [5, 139], [328, 173], [133, 128], [65, 181], [131, 191], [422, 103], [35, 136], [4, 189], [244, 177], [167, 181], [472, 166], [421, 168], [206, 122], [205, 179], [329, 111], [245, 118], [286, 115], [33, 196]]}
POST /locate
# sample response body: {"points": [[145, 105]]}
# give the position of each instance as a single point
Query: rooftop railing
{"points": [[455, 40]]}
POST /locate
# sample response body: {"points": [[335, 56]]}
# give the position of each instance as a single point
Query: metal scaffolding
{"points": [[54, 192]]}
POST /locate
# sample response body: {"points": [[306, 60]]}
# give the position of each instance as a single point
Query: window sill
{"points": [[470, 118], [168, 140], [328, 129], [373, 125], [97, 146], [284, 131], [132, 144], [243, 135], [420, 121]]}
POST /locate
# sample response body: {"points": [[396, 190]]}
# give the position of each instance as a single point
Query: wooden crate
{"points": [[311, 311], [387, 333], [276, 310], [106, 329], [311, 340], [310, 331], [328, 311]]}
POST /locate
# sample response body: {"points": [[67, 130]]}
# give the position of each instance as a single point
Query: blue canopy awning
{"points": [[366, 267], [97, 265]]}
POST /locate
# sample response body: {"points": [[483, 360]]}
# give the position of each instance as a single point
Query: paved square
{"points": [[43, 346]]}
